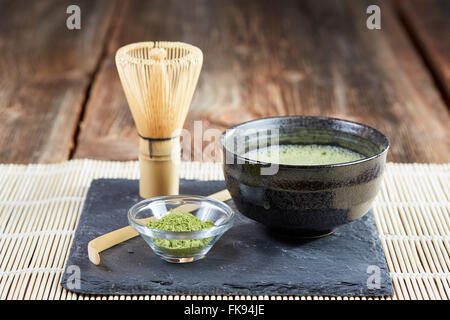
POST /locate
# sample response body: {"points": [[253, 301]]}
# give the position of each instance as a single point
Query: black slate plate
{"points": [[248, 259]]}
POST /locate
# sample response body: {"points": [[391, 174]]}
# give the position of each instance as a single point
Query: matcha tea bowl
{"points": [[302, 175], [181, 229]]}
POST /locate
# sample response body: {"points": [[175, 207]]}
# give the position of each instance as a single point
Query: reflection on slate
{"points": [[246, 260]]}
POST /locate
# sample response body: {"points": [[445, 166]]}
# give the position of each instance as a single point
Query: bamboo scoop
{"points": [[159, 80], [115, 237]]}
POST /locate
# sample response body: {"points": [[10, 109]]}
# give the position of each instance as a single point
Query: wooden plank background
{"points": [[45, 71], [60, 96], [428, 22]]}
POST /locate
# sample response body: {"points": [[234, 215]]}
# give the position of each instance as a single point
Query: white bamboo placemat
{"points": [[40, 206]]}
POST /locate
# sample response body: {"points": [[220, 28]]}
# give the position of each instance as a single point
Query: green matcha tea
{"points": [[309, 154], [181, 222]]}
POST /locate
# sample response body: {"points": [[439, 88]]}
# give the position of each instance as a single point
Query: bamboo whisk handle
{"points": [[159, 163]]}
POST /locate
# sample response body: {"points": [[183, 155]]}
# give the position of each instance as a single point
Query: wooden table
{"points": [[60, 96]]}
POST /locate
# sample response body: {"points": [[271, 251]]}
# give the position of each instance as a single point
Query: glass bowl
{"points": [[162, 242]]}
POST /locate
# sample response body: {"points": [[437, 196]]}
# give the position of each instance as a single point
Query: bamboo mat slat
{"points": [[40, 206]]}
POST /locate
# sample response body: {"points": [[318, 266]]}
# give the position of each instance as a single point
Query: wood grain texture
{"points": [[264, 59], [45, 69], [107, 131], [429, 24]]}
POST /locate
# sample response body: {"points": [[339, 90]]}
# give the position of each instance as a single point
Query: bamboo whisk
{"points": [[159, 80]]}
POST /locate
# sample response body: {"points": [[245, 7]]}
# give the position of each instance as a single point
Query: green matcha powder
{"points": [[181, 222]]}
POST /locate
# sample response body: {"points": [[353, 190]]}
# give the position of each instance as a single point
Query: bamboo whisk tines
{"points": [[159, 80]]}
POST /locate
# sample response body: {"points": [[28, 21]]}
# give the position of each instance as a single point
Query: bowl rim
{"points": [[291, 166], [182, 235]]}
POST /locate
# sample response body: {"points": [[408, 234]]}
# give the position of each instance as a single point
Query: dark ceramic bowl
{"points": [[298, 200]]}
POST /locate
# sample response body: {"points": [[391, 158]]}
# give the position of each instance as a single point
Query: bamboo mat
{"points": [[40, 206]]}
